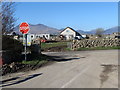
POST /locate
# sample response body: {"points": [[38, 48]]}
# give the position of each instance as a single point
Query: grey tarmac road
{"points": [[74, 69]]}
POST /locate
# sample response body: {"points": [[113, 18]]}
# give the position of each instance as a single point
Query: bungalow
{"points": [[70, 34]]}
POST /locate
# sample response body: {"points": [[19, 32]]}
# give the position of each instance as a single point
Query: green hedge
{"points": [[11, 49]]}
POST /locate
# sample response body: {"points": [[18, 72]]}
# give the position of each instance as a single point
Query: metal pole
{"points": [[25, 47]]}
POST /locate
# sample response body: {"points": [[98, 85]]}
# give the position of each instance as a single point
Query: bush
{"points": [[8, 43], [11, 49]]}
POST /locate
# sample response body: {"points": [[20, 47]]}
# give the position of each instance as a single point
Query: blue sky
{"points": [[78, 15]]}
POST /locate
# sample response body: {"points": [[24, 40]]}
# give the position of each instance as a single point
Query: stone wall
{"points": [[88, 43]]}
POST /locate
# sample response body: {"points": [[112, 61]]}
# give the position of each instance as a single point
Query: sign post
{"points": [[25, 47], [24, 28], [28, 40]]}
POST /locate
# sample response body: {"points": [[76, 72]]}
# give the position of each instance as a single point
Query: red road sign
{"points": [[24, 28]]}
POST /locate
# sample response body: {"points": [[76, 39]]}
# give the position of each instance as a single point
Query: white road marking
{"points": [[74, 78]]}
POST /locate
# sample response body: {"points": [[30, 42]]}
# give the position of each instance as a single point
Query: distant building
{"points": [[15, 37], [113, 35], [70, 34], [35, 36]]}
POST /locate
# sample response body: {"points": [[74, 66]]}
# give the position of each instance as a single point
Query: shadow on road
{"points": [[60, 58], [17, 80]]}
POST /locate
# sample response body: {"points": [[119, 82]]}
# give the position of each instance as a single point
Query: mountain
{"points": [[39, 29], [92, 32], [43, 29], [82, 32], [112, 30], [86, 32], [108, 31]]}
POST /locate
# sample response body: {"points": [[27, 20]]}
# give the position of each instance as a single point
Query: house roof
{"points": [[69, 28], [72, 30]]}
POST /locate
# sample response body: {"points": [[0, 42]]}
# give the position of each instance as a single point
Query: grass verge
{"points": [[37, 60], [40, 62], [98, 48]]}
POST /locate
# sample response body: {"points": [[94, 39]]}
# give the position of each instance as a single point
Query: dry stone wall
{"points": [[88, 43]]}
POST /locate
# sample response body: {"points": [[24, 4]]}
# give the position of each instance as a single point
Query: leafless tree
{"points": [[99, 32], [0, 26], [0, 18], [8, 19]]}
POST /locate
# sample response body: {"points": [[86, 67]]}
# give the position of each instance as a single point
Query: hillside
{"points": [[108, 31], [39, 29], [112, 30]]}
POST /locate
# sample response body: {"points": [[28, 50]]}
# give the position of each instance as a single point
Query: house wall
{"points": [[32, 36], [69, 34]]}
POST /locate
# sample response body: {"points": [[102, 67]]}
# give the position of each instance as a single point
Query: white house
{"points": [[70, 34]]}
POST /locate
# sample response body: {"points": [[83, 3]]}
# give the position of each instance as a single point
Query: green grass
{"points": [[68, 49], [38, 59], [55, 44], [33, 62], [98, 48]]}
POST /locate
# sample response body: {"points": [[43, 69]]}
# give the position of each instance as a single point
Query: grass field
{"points": [[55, 44]]}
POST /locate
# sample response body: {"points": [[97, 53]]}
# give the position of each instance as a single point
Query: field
{"points": [[55, 46]]}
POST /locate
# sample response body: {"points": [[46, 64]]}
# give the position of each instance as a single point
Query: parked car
{"points": [[43, 40], [117, 37], [78, 38]]}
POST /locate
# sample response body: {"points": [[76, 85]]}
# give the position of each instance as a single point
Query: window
{"points": [[31, 36], [67, 30]]}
